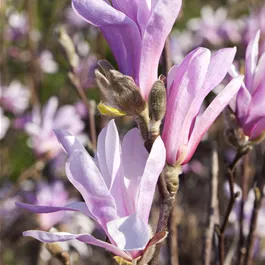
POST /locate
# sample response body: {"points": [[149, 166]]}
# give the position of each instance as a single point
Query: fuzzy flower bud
{"points": [[120, 94]]}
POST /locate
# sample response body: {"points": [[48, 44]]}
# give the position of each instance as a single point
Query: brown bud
{"points": [[119, 91], [157, 101], [171, 174]]}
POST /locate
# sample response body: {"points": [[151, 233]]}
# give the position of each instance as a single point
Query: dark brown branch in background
{"points": [[166, 59], [259, 194], [35, 73], [244, 185], [212, 209], [173, 237], [220, 230]]}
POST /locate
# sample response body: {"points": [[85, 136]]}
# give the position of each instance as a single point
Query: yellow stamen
{"points": [[109, 111], [122, 261]]}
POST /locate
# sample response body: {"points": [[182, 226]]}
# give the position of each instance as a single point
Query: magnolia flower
{"points": [[187, 86], [136, 32], [250, 100], [117, 186], [15, 97], [40, 126], [4, 125]]}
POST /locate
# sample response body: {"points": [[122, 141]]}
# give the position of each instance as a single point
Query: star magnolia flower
{"points": [[41, 124], [117, 187], [15, 97], [250, 101], [136, 32], [187, 86]]}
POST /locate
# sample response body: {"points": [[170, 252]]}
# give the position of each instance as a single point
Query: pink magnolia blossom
{"points": [[249, 104], [40, 125], [136, 32], [188, 85], [117, 186], [15, 97]]}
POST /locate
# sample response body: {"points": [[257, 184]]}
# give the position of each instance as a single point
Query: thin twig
{"points": [[166, 205], [221, 229], [90, 109], [173, 238], [213, 202], [35, 75]]}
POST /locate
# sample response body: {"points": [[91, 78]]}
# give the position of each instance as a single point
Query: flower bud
{"points": [[119, 91], [171, 174]]}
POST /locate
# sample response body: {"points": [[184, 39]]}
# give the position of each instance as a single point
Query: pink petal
{"points": [[129, 233], [108, 153], [251, 60], [109, 159], [134, 157], [75, 206], [258, 129], [47, 237], [68, 141], [158, 28], [243, 101], [121, 33], [154, 166], [204, 122], [259, 79], [189, 79], [85, 176]]}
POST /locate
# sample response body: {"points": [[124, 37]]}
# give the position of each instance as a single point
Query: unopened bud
{"points": [[157, 108], [171, 174], [157, 101], [119, 91]]}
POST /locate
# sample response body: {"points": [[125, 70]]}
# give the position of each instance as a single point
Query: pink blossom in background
{"points": [[86, 72], [15, 97], [215, 27], [249, 104], [41, 123], [17, 26], [47, 63], [187, 86], [255, 22], [136, 32], [117, 186], [4, 124], [51, 194]]}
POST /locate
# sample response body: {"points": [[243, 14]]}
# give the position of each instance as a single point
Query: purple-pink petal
{"points": [[85, 176], [75, 206], [47, 237], [204, 122]]}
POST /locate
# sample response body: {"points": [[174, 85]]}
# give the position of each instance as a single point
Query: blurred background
{"points": [[44, 87]]}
